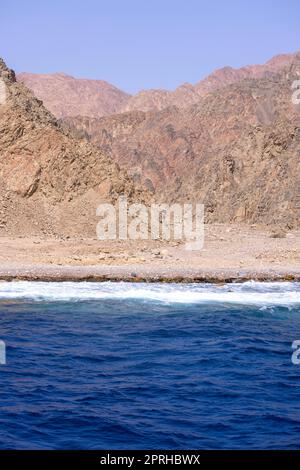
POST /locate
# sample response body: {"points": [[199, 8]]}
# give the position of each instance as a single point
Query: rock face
{"points": [[64, 95], [50, 182], [237, 149]]}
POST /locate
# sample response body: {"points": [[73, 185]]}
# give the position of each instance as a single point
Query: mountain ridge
{"points": [[236, 150], [67, 96]]}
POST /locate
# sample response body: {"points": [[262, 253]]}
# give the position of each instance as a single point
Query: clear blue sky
{"points": [[138, 44]]}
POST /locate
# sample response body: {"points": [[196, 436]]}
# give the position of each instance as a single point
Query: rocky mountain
{"points": [[237, 149], [64, 95], [231, 141], [187, 94], [50, 181]]}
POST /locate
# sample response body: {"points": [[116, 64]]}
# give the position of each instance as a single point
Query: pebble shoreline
{"points": [[134, 273]]}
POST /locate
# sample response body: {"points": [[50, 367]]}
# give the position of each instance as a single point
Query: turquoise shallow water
{"points": [[131, 366]]}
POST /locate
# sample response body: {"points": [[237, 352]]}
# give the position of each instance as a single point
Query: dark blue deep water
{"points": [[132, 366]]}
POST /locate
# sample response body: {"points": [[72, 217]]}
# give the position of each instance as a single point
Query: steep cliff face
{"points": [[237, 150], [50, 182], [65, 96]]}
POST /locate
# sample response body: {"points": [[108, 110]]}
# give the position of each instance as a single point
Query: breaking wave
{"points": [[248, 293]]}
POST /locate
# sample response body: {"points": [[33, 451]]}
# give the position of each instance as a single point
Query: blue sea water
{"points": [[137, 366]]}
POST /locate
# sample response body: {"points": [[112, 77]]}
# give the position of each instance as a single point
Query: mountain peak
{"points": [[6, 73], [67, 96]]}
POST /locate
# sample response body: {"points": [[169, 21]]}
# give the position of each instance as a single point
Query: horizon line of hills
{"points": [[232, 142], [67, 96]]}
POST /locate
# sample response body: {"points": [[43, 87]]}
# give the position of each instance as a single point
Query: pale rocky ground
{"points": [[232, 252]]}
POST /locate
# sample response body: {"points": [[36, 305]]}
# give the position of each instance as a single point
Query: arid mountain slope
{"points": [[187, 94], [50, 182], [68, 96], [237, 150]]}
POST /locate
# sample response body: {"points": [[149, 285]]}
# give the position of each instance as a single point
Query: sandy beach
{"points": [[230, 253]]}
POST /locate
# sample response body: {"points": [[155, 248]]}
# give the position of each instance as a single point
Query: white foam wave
{"points": [[249, 293]]}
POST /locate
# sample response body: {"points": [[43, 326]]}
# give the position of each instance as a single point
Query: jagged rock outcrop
{"points": [[50, 181]]}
